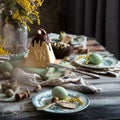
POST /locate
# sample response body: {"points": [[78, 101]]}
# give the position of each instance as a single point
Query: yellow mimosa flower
{"points": [[22, 11]]}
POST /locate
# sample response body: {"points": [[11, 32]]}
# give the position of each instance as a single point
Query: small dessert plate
{"points": [[44, 98], [108, 62]]}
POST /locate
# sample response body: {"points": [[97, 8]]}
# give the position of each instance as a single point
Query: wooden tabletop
{"points": [[103, 105]]}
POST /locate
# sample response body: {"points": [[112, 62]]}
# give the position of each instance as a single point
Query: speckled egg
{"points": [[95, 58], [59, 92], [6, 67]]}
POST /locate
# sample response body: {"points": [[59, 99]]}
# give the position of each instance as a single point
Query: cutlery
{"points": [[75, 70], [45, 106], [49, 105], [61, 103]]}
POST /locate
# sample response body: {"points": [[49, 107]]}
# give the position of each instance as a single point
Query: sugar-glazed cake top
{"points": [[40, 37]]}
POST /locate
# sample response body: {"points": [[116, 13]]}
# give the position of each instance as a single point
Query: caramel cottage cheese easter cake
{"points": [[40, 52]]}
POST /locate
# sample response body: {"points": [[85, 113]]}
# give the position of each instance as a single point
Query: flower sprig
{"points": [[74, 99], [85, 56], [20, 12]]}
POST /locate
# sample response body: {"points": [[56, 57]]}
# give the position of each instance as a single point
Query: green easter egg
{"points": [[6, 67], [59, 92], [95, 58]]}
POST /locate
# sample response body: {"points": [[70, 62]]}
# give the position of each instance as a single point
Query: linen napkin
{"points": [[54, 77], [73, 82], [66, 79]]}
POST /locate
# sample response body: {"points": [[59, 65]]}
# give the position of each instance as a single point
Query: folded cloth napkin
{"points": [[69, 80], [112, 71], [73, 82]]}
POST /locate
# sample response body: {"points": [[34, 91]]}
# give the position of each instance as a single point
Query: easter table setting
{"points": [[92, 88], [53, 75]]}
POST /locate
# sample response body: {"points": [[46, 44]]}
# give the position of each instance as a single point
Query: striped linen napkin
{"points": [[73, 82], [69, 80]]}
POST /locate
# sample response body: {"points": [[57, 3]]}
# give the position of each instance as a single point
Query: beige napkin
{"points": [[73, 82], [68, 80]]}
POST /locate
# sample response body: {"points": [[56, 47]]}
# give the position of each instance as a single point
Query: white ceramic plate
{"points": [[108, 62], [44, 98]]}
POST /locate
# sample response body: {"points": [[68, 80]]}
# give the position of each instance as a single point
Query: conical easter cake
{"points": [[40, 52]]}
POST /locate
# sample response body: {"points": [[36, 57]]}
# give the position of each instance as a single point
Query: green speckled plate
{"points": [[44, 98], [108, 62]]}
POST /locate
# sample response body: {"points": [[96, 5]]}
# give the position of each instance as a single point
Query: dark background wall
{"points": [[52, 16], [99, 19]]}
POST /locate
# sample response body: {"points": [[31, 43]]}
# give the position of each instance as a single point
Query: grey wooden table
{"points": [[104, 105]]}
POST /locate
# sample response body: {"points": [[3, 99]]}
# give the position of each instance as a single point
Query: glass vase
{"points": [[1, 25], [16, 38]]}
